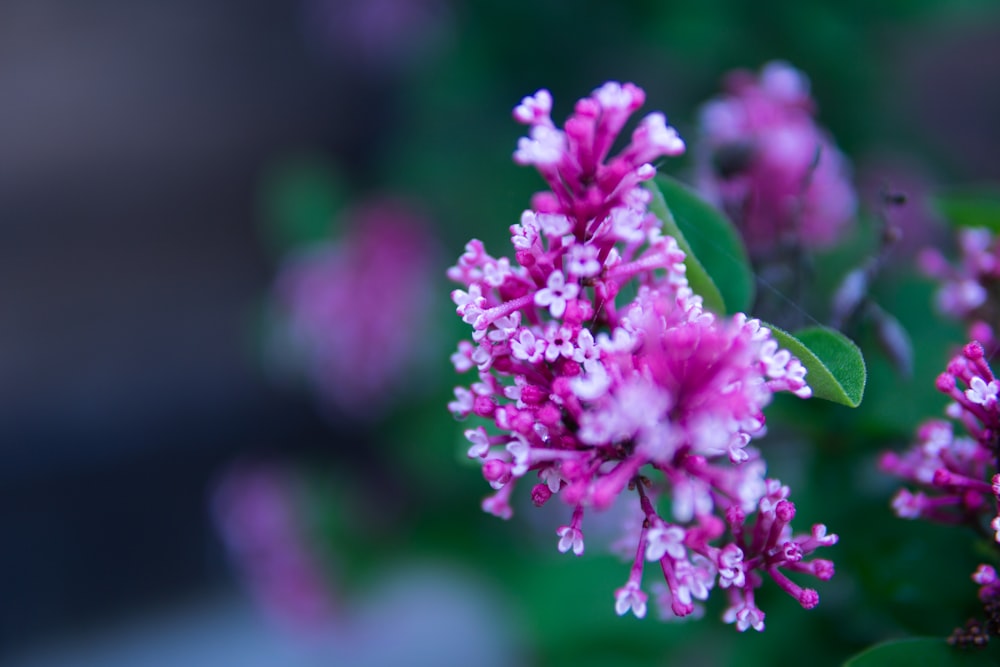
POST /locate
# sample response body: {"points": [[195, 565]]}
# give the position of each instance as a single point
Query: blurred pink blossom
{"points": [[968, 290], [258, 515], [763, 159], [356, 308]]}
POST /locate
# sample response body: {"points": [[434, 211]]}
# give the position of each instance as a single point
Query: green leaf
{"points": [[971, 207], [713, 239], [836, 368], [697, 276], [925, 652]]}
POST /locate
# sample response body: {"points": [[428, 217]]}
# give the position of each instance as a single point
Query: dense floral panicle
{"points": [[350, 306], [969, 288], [764, 160], [688, 382], [590, 397], [957, 475]]}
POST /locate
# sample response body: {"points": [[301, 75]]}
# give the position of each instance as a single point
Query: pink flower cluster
{"points": [[344, 303], [969, 290], [599, 394], [764, 160], [957, 473]]}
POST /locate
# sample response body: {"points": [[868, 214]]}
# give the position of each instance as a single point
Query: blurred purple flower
{"points": [[436, 613], [968, 290], [258, 515], [763, 159], [356, 308]]}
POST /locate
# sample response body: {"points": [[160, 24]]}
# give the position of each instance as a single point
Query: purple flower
{"points": [[763, 159], [968, 289], [571, 537], [353, 308], [556, 294], [958, 475], [652, 396], [257, 515], [630, 598], [956, 472], [586, 184]]}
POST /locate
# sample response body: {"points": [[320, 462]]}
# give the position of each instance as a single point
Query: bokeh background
{"points": [[158, 163]]}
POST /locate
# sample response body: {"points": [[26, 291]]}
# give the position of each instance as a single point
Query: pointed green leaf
{"points": [[924, 652], [836, 368], [714, 241], [697, 276], [971, 207]]}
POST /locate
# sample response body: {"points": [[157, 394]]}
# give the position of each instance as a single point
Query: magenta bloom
{"points": [[956, 475], [764, 160], [654, 396], [968, 290], [356, 308]]}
